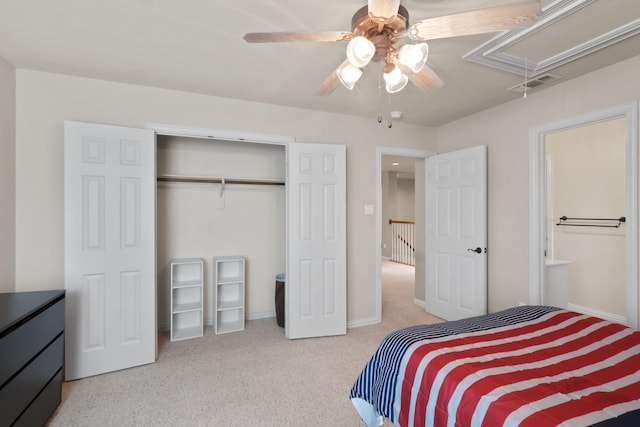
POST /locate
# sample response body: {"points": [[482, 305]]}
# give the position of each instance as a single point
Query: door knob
{"points": [[476, 250]]}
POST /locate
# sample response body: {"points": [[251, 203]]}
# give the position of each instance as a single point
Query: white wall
{"points": [[45, 100], [406, 199], [508, 163], [588, 179], [388, 211], [7, 175], [196, 220]]}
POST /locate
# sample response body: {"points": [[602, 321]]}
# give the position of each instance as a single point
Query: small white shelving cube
{"points": [[186, 298], [228, 293]]}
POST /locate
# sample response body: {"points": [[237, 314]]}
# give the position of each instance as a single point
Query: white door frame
{"points": [[537, 201], [389, 151]]}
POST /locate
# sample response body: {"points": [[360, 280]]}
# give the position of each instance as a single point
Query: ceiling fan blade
{"points": [[515, 15], [329, 85], [425, 79], [327, 36], [383, 10]]}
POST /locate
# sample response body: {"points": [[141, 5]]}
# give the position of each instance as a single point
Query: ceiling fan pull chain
{"points": [[379, 96], [526, 65], [389, 123]]}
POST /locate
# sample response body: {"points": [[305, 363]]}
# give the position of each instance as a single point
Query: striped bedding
{"points": [[526, 366]]}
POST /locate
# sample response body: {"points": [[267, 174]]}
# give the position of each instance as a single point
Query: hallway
{"points": [[398, 307]]}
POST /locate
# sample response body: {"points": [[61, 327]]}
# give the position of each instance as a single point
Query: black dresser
{"points": [[31, 356]]}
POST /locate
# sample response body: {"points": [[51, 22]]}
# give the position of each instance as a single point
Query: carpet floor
{"points": [[255, 377]]}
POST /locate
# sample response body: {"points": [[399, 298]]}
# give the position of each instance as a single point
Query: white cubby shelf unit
{"points": [[228, 293], [186, 298]]}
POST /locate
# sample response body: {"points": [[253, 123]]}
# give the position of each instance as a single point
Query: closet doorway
{"points": [[314, 216], [586, 224], [541, 222], [204, 218], [109, 204]]}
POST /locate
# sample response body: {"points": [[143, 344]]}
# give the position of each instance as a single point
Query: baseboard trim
{"points": [[363, 322], [420, 303], [616, 318], [260, 315]]}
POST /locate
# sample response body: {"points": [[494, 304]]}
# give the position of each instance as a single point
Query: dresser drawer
{"points": [[16, 395], [23, 343], [44, 406]]}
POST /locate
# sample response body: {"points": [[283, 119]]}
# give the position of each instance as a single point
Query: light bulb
{"points": [[360, 50], [348, 74], [414, 56], [395, 80]]}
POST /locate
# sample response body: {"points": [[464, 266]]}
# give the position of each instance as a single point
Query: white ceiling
{"points": [[197, 46]]}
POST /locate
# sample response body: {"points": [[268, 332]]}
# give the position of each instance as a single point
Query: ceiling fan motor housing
{"points": [[382, 36]]}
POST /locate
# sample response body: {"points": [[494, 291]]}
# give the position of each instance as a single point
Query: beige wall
{"points": [[45, 100], [508, 163], [7, 175], [587, 178]]}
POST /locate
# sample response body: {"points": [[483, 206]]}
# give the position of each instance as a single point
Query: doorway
{"points": [[586, 224], [202, 218], [409, 160], [539, 207]]}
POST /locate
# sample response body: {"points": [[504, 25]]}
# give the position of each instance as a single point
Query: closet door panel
{"points": [[316, 279], [110, 273]]}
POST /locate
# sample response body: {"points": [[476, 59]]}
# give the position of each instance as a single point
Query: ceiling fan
{"points": [[380, 32]]}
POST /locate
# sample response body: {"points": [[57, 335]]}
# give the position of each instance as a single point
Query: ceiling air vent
{"points": [[535, 82]]}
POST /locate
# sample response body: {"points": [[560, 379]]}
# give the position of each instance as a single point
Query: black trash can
{"points": [[280, 299]]}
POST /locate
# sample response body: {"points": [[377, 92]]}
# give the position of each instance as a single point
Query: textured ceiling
{"points": [[197, 46]]}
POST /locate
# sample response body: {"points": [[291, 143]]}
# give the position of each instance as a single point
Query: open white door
{"points": [[316, 296], [457, 234], [110, 273]]}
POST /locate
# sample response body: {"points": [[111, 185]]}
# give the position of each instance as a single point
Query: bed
{"points": [[525, 366]]}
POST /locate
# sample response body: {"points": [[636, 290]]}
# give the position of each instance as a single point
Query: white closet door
{"points": [[316, 297], [110, 273], [457, 234]]}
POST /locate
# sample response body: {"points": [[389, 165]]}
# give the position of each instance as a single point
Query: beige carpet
{"points": [[256, 377]]}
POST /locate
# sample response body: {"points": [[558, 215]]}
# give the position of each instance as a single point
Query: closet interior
{"points": [[218, 198]]}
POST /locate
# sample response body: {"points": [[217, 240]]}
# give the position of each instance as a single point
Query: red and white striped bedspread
{"points": [[561, 368]]}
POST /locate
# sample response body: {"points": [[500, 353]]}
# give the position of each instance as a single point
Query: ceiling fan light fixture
{"points": [[383, 10], [414, 56], [395, 80], [360, 50], [348, 74]]}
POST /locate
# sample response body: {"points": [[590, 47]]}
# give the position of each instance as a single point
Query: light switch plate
{"points": [[368, 209]]}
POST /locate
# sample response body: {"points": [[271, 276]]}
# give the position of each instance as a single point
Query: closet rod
{"points": [[565, 218], [167, 178]]}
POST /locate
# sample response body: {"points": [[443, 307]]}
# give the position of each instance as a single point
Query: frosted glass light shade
{"points": [[414, 56], [383, 10], [348, 74], [395, 80], [360, 50]]}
